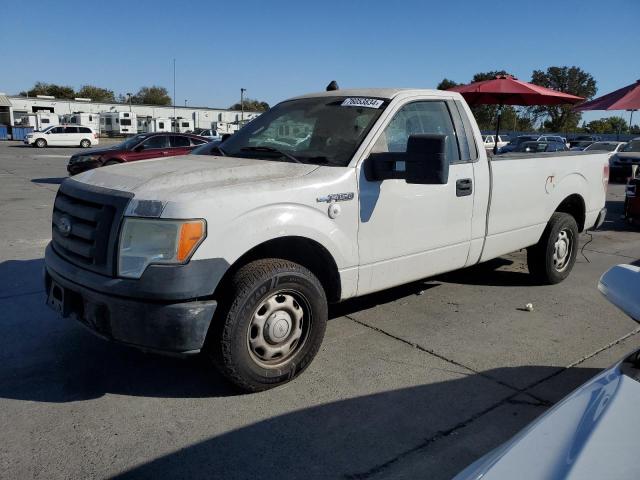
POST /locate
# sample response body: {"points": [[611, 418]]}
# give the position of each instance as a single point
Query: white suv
{"points": [[63, 136]]}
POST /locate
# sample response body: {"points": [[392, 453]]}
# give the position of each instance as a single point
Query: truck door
{"points": [[411, 231]]}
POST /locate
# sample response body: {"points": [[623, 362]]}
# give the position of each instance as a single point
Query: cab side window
{"points": [[419, 117], [178, 141]]}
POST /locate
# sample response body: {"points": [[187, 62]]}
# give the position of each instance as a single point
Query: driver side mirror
{"points": [[621, 286], [424, 162]]}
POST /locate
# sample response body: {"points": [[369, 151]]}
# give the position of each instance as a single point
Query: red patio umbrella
{"points": [[507, 90], [625, 98]]}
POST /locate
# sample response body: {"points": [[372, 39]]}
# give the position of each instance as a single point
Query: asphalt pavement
{"points": [[413, 382]]}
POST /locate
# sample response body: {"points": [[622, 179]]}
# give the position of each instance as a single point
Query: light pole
{"points": [[129, 95], [185, 102], [174, 95], [242, 90]]}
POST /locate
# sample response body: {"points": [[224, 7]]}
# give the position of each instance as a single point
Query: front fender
{"points": [[233, 239]]}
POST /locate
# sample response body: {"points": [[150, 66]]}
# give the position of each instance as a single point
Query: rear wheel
{"points": [[272, 328], [85, 143], [41, 143], [552, 258]]}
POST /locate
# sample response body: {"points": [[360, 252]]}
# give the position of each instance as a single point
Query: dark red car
{"points": [[139, 147]]}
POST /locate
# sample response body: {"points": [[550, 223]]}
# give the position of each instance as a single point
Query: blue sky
{"points": [[278, 49]]}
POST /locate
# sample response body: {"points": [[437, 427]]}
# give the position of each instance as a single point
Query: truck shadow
{"points": [[614, 222], [431, 431], [45, 358]]}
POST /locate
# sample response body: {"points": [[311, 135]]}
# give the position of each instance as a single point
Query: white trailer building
{"points": [[85, 119], [201, 117], [149, 125], [118, 123], [40, 120]]}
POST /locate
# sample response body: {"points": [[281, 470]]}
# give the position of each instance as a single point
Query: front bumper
{"points": [[75, 168], [149, 322]]}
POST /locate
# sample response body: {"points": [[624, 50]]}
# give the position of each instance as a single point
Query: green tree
{"points": [[446, 84], [573, 80], [617, 125], [96, 94], [251, 105], [607, 125], [153, 95], [43, 88]]}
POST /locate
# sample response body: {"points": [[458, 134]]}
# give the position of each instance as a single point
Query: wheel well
{"points": [[574, 206], [303, 251]]}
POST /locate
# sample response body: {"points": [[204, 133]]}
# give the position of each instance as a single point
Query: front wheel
{"points": [[272, 326], [552, 258], [41, 143]]}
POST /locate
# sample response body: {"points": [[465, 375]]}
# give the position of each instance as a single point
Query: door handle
{"points": [[464, 187]]}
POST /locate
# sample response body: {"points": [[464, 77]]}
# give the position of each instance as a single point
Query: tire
{"points": [[273, 326], [85, 143], [110, 162], [40, 143], [551, 260]]}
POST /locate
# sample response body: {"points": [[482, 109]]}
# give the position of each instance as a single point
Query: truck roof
{"points": [[387, 93]]}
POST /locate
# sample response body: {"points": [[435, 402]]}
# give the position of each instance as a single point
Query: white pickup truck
{"points": [[324, 197]]}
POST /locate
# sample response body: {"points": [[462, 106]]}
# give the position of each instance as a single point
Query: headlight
{"points": [[145, 241]]}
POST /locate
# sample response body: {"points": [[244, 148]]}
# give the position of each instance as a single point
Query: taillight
{"points": [[95, 135], [605, 176]]}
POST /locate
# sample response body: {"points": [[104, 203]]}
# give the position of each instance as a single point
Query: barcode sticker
{"points": [[362, 102]]}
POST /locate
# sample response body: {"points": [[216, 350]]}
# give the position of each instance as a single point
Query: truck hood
{"points": [[169, 178]]}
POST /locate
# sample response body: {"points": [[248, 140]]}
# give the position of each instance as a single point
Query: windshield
{"points": [[132, 142], [632, 146], [323, 130]]}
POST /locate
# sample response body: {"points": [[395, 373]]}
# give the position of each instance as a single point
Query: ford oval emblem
{"points": [[64, 225]]}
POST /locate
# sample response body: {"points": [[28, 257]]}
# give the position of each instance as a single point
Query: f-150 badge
{"points": [[336, 197]]}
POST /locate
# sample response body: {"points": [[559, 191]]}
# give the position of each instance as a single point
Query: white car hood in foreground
{"points": [[591, 434], [168, 178]]}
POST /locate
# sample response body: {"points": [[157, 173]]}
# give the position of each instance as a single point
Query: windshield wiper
{"points": [[271, 150]]}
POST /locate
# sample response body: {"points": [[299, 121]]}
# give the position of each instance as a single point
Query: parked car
{"points": [[612, 147], [591, 433], [63, 136], [139, 147], [209, 134], [581, 146], [540, 146], [248, 250], [622, 161], [554, 138], [584, 140], [489, 141], [516, 142]]}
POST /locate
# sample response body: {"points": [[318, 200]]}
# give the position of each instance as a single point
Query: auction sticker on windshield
{"points": [[362, 102]]}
